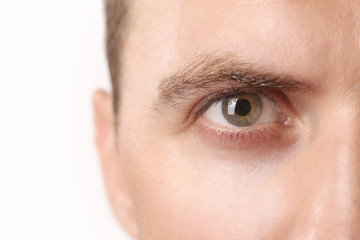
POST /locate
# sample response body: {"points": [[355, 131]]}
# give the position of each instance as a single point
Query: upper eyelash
{"points": [[207, 101]]}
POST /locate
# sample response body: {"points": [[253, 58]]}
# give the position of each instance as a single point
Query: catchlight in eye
{"points": [[242, 110]]}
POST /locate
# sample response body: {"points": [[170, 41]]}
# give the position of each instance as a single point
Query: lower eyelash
{"points": [[244, 137]]}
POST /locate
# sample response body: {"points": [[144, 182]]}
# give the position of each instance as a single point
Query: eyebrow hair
{"points": [[208, 72]]}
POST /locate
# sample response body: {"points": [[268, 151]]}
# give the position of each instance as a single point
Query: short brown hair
{"points": [[115, 20]]}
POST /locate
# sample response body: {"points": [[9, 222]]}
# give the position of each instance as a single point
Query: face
{"points": [[237, 120]]}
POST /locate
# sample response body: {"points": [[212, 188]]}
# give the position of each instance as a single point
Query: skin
{"points": [[167, 181]]}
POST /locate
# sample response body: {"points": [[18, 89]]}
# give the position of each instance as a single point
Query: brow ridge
{"points": [[208, 72]]}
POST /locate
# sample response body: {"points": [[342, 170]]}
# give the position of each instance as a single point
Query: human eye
{"points": [[246, 117], [243, 110]]}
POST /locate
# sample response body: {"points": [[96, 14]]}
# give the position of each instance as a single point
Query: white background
{"points": [[51, 60]]}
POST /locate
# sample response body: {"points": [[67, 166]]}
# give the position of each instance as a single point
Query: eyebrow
{"points": [[209, 72]]}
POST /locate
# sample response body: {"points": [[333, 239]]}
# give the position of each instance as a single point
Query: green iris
{"points": [[242, 110]]}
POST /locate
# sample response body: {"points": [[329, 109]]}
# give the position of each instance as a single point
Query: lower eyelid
{"points": [[246, 137]]}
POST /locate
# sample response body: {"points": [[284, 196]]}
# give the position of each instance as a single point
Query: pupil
{"points": [[243, 107]]}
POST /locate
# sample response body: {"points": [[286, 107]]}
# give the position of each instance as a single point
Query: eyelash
{"points": [[244, 137]]}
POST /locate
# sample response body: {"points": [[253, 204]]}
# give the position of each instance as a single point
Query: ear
{"points": [[106, 144]]}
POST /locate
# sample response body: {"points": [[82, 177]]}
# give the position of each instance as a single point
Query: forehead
{"points": [[316, 38]]}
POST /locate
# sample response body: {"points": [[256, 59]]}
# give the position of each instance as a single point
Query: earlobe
{"points": [[108, 153]]}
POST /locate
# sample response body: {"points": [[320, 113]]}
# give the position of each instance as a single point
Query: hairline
{"points": [[116, 14]]}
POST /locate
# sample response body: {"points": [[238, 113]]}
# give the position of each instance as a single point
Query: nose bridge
{"points": [[344, 154], [334, 207]]}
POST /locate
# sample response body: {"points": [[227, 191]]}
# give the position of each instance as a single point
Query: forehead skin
{"points": [[318, 40], [283, 33]]}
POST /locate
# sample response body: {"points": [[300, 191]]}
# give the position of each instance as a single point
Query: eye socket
{"points": [[242, 110]]}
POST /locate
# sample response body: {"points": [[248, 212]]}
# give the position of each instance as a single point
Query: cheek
{"points": [[182, 192]]}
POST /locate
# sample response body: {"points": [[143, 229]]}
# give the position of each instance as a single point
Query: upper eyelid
{"points": [[217, 97], [233, 92]]}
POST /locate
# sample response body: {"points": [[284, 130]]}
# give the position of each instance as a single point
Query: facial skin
{"points": [[173, 173]]}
